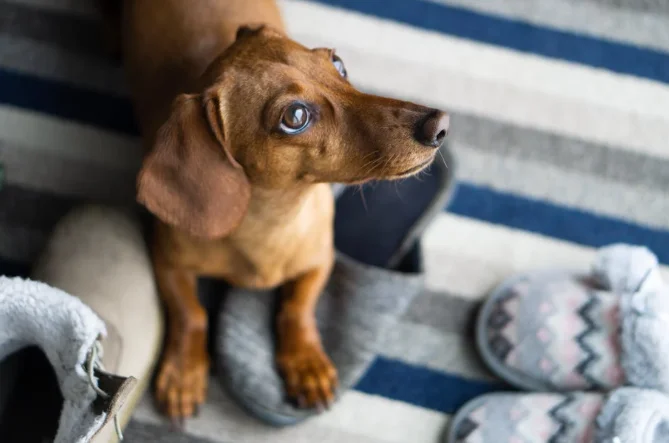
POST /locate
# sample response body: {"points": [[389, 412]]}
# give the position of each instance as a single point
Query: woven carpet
{"points": [[560, 124]]}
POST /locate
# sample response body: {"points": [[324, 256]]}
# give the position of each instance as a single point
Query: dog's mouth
{"points": [[414, 169], [391, 176]]}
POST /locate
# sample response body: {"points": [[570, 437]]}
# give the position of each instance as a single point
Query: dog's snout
{"points": [[431, 130]]}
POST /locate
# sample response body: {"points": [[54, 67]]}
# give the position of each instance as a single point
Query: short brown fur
{"points": [[234, 197]]}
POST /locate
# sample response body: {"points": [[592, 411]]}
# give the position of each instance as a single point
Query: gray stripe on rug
{"points": [[444, 312], [641, 204], [528, 144], [66, 31], [46, 60], [425, 346], [139, 432], [650, 6], [84, 8], [55, 174], [46, 171]]}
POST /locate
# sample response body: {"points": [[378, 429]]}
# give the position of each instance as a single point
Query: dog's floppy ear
{"points": [[189, 179], [246, 30], [252, 29]]}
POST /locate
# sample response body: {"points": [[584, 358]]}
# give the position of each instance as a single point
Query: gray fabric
{"points": [[33, 313], [634, 415], [625, 269], [644, 339], [358, 306]]}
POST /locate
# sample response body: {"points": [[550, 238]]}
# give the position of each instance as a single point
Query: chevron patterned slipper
{"points": [[625, 415], [561, 331]]}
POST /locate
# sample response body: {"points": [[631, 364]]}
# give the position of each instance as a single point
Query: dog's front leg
{"points": [[181, 384], [309, 376]]}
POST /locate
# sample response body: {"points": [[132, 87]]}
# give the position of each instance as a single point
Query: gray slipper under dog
{"points": [[378, 272], [565, 331], [626, 415]]}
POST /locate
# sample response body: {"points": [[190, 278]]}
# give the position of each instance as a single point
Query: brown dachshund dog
{"points": [[244, 129]]}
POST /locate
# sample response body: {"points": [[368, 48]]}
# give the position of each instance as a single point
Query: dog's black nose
{"points": [[431, 130]]}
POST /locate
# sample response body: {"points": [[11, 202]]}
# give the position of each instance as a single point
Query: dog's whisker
{"points": [[397, 191], [442, 158], [369, 162], [362, 197], [372, 165]]}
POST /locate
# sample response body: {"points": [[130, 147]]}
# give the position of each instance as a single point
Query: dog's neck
{"points": [[275, 205]]}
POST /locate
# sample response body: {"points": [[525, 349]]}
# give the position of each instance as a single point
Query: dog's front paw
{"points": [[309, 376], [181, 386]]}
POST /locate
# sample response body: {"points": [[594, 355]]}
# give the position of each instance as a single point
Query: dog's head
{"points": [[274, 114]]}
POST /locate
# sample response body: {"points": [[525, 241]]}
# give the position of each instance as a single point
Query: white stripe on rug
{"points": [[356, 417], [470, 257]]}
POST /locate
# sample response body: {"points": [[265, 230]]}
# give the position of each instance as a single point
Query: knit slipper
{"points": [[625, 415], [564, 331], [68, 333], [378, 271]]}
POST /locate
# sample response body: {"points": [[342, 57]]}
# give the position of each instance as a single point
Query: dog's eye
{"points": [[295, 119], [339, 64]]}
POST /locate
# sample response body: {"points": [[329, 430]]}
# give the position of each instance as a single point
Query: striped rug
{"points": [[560, 125]]}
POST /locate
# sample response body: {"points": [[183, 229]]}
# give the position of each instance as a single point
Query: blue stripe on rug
{"points": [[552, 220], [65, 101], [522, 36], [421, 386]]}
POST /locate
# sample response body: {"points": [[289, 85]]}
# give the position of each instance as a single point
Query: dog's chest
{"points": [[272, 258], [265, 251]]}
